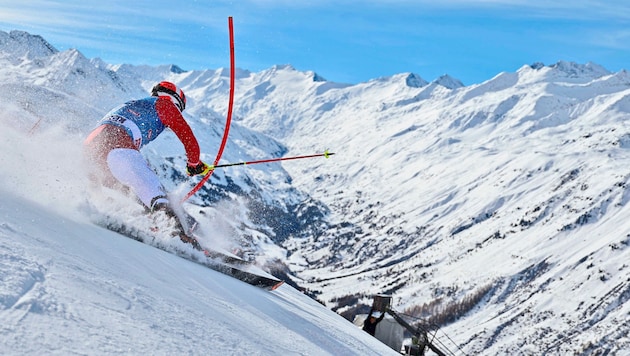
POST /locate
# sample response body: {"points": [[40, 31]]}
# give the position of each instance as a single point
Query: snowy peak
{"points": [[410, 80], [575, 70], [317, 77], [569, 72], [448, 82], [175, 69], [19, 44], [415, 81], [286, 71]]}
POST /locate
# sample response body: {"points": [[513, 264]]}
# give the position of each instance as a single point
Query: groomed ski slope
{"points": [[69, 287]]}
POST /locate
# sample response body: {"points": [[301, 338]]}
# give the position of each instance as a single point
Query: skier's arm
{"points": [[171, 117]]}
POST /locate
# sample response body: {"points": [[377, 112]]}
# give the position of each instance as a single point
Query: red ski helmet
{"points": [[170, 89]]}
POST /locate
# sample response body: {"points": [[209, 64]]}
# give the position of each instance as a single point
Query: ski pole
{"points": [[326, 154]]}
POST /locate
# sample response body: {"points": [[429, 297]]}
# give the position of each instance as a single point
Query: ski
{"points": [[220, 261], [243, 272]]}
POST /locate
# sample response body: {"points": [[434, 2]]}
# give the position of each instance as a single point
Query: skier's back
{"points": [[113, 147]]}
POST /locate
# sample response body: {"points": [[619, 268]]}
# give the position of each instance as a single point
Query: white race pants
{"points": [[131, 169]]}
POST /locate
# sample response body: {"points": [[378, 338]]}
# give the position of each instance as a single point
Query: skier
{"points": [[369, 325], [113, 147]]}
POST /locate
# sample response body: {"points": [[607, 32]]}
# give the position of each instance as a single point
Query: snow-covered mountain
{"points": [[496, 210]]}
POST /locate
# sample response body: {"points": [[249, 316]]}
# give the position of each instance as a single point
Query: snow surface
{"points": [[69, 287]]}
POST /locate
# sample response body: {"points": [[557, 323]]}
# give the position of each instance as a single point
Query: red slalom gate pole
{"points": [[228, 120]]}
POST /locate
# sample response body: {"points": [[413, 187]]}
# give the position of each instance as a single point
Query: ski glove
{"points": [[199, 168]]}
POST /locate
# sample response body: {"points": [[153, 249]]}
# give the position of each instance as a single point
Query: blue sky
{"points": [[346, 41]]}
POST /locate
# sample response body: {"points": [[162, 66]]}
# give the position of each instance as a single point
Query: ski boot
{"points": [[185, 233]]}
